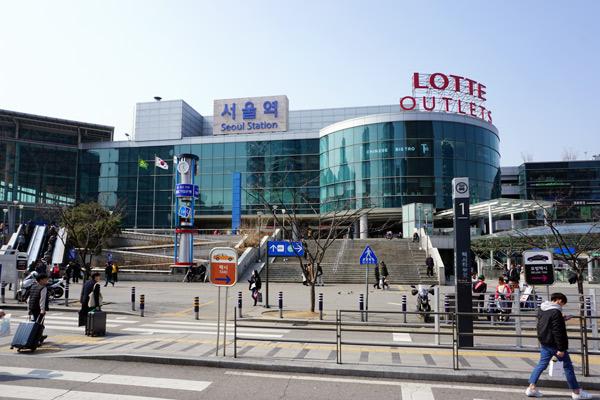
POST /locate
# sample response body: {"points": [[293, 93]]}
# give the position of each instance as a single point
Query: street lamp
{"points": [[21, 206], [427, 231], [4, 227], [283, 216], [274, 222], [419, 206], [259, 213]]}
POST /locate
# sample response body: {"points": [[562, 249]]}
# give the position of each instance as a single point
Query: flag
{"points": [[142, 163], [160, 163]]}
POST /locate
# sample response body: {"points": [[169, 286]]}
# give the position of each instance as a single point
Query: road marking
{"points": [[203, 325], [402, 337], [161, 383], [150, 331], [417, 391], [413, 387], [35, 393]]}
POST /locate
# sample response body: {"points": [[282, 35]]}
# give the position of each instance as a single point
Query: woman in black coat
{"points": [[91, 286], [255, 285]]}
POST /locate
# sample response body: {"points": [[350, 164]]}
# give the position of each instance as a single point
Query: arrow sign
{"points": [[285, 249], [368, 256], [227, 279], [544, 277], [539, 267]]}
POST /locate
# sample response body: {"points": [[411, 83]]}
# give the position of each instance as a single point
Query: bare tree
{"points": [[527, 157], [334, 218], [570, 154]]}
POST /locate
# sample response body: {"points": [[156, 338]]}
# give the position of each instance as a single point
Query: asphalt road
{"points": [[41, 378]]}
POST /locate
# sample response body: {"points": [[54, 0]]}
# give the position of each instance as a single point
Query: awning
{"points": [[498, 207]]}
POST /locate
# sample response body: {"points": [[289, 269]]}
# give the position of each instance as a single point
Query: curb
{"points": [[371, 371]]}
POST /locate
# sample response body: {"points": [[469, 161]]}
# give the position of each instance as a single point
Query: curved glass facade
{"points": [[390, 164]]}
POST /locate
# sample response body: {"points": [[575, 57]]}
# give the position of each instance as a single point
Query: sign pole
{"points": [[367, 292], [267, 278], [218, 319], [225, 321], [462, 260]]}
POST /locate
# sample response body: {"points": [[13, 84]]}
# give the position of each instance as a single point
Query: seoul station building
{"points": [[383, 157]]}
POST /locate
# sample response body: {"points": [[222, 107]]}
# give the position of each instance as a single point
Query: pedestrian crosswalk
{"points": [[19, 388]]}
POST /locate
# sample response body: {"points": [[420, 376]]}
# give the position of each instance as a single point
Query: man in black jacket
{"points": [[552, 334], [38, 301]]}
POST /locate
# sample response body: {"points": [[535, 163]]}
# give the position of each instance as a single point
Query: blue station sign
{"points": [[187, 190], [285, 249]]}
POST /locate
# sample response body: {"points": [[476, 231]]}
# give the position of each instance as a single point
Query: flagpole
{"points": [[154, 196], [137, 186]]}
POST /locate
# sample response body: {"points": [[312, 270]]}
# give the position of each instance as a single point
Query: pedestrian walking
{"points": [[91, 286], [115, 273], [319, 276], [384, 275], [309, 276], [415, 237], [39, 301], [448, 271], [377, 277], [21, 243], [479, 288], [513, 276], [429, 264], [254, 285], [108, 274], [552, 335]]}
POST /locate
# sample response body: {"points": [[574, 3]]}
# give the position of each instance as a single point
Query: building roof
{"points": [[498, 207]]}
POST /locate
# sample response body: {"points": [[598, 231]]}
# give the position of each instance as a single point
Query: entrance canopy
{"points": [[498, 207]]}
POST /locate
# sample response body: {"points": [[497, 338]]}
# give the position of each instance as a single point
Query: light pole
{"points": [[283, 217], [5, 210], [259, 213], [274, 222], [419, 206], [21, 206], [427, 235]]}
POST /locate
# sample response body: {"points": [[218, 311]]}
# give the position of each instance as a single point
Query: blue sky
{"points": [[92, 61]]}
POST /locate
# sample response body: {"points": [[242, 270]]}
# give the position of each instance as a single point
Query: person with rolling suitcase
{"points": [[30, 335], [90, 314]]}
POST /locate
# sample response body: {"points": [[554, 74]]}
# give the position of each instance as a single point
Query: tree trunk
{"points": [[580, 291], [312, 295]]}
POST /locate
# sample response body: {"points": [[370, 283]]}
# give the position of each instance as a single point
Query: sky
{"points": [[93, 61]]}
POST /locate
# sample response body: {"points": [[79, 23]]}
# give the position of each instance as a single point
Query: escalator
{"points": [[58, 255], [36, 243], [12, 243]]}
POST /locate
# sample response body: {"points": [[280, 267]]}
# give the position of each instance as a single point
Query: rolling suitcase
{"points": [[96, 323], [28, 335]]}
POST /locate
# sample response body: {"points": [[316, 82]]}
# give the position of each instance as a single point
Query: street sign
{"points": [[184, 211], [539, 267], [368, 256], [223, 266], [285, 249]]}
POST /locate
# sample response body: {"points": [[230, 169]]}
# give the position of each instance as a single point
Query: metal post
{"points": [[218, 319], [361, 306], [225, 322], [280, 305], [595, 320], [492, 306], [240, 304], [142, 304], [2, 291], [517, 310], [267, 278], [321, 306], [404, 308], [133, 298], [197, 306], [367, 291], [446, 307], [436, 317], [66, 293]]}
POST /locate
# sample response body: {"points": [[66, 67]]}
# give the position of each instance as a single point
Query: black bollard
{"points": [[404, 308], [361, 306], [588, 306], [133, 298], [280, 305], [142, 304], [197, 306], [321, 306], [2, 291], [66, 293], [239, 304]]}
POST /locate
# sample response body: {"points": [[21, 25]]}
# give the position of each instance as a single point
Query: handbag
{"points": [[92, 300], [5, 325], [556, 368], [259, 297]]}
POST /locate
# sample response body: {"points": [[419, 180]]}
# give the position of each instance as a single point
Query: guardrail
{"points": [[344, 327]]}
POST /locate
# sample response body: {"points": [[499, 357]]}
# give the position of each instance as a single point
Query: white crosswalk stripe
{"points": [[212, 332], [23, 392], [402, 337]]}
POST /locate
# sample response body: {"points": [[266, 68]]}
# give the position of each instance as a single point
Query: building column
{"points": [[356, 229], [364, 227], [490, 216]]}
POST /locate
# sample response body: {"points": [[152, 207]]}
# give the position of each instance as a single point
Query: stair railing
{"points": [[338, 257]]}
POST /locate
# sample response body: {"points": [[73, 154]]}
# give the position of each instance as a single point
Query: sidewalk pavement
{"points": [[171, 303]]}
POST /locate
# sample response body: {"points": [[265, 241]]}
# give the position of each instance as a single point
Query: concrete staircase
{"points": [[404, 260]]}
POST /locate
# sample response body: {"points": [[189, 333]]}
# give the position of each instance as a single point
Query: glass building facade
{"points": [[387, 161], [576, 184]]}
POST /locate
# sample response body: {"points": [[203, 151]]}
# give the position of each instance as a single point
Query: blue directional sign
{"points": [[187, 190], [368, 256], [285, 249], [184, 211]]}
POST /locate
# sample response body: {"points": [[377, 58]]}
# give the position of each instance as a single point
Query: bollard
{"points": [[539, 301], [404, 308], [67, 294], [492, 306], [280, 305], [361, 307], [588, 306], [196, 306], [2, 290], [142, 303], [321, 306], [239, 304], [133, 298], [447, 308]]}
